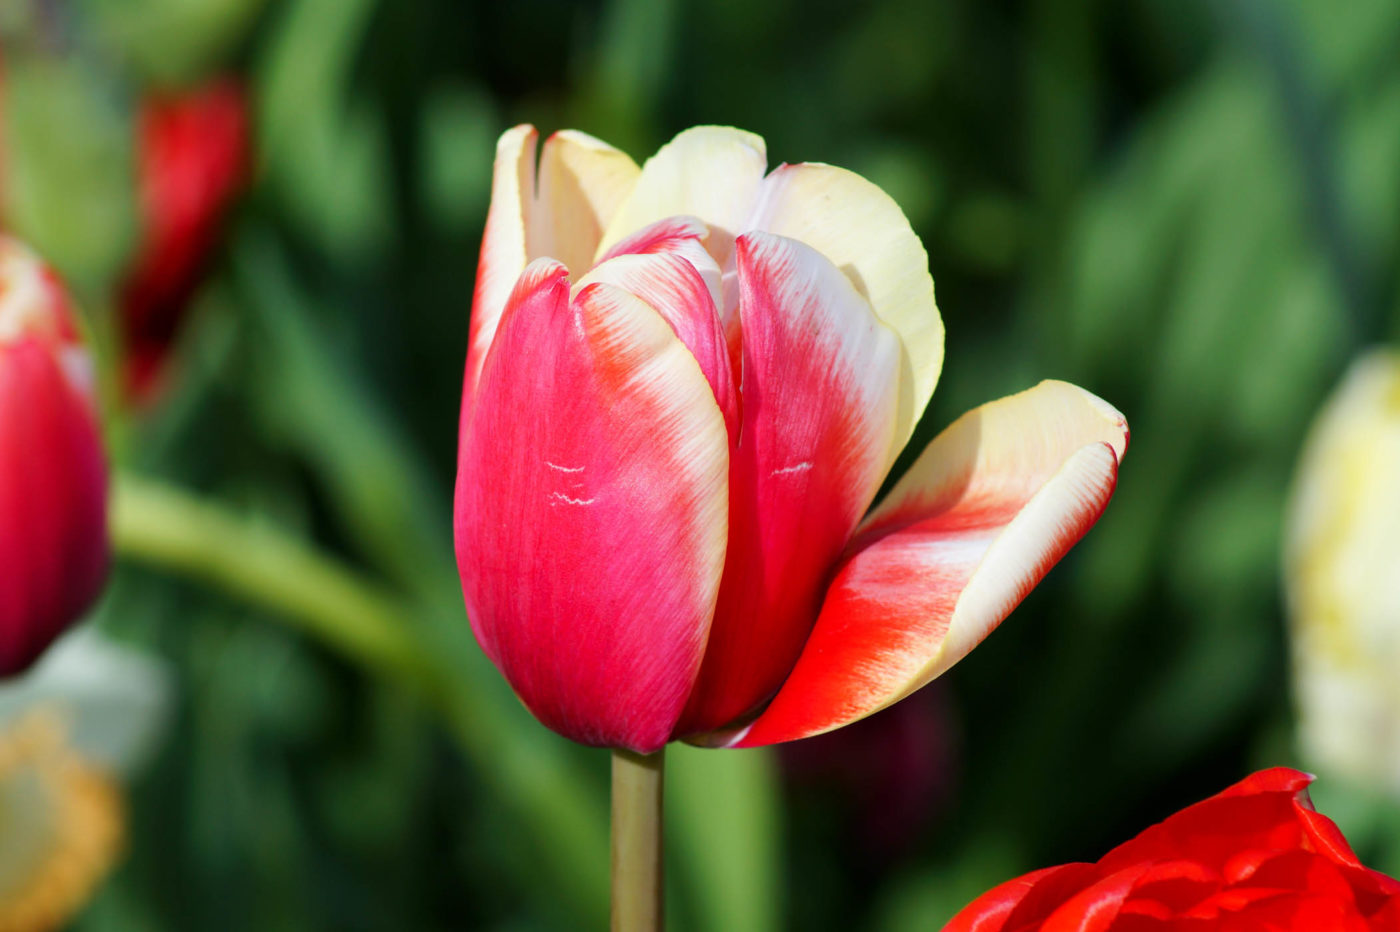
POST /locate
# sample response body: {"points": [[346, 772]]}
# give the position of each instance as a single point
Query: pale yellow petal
{"points": [[582, 182], [865, 234], [709, 172]]}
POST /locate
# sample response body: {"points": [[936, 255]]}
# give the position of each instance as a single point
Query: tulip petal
{"points": [[982, 515], [819, 393], [710, 172], [53, 502], [503, 247], [591, 510], [677, 291], [864, 233], [581, 183]]}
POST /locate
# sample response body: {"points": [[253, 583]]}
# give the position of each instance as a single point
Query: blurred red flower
{"points": [[194, 155], [1254, 858], [53, 473]]}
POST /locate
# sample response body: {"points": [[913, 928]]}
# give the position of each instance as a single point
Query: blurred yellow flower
{"points": [[1342, 575], [72, 733], [62, 821]]}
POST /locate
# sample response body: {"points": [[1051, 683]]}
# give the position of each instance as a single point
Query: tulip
{"points": [[685, 384], [1256, 857], [1341, 560], [53, 489], [193, 153]]}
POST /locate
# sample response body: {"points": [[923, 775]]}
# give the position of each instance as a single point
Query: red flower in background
{"points": [[53, 475], [1255, 858], [194, 156]]}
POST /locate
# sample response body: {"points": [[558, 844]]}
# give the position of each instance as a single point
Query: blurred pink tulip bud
{"points": [[685, 384], [53, 478], [193, 150]]}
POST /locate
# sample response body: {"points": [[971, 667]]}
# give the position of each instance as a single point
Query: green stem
{"points": [[638, 900], [162, 526]]}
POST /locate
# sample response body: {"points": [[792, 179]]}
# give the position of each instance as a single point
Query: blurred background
{"points": [[270, 212]]}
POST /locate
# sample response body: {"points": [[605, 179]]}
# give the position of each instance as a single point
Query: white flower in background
{"points": [[72, 731], [1342, 573]]}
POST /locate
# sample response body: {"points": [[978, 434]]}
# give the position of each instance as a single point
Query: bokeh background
{"points": [[1189, 207]]}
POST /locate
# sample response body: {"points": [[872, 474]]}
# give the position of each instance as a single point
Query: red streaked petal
{"points": [[710, 172], [591, 511], [53, 501], [686, 237], [989, 507], [864, 233], [677, 291], [819, 390]]}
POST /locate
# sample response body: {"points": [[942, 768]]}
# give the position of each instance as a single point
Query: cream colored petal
{"points": [[865, 234], [582, 181], [709, 172]]}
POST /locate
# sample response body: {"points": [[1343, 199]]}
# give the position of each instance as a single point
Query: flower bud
{"points": [[53, 477]]}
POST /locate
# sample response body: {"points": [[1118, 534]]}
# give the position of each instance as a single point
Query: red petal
{"points": [[53, 502], [590, 517], [983, 514], [819, 393]]}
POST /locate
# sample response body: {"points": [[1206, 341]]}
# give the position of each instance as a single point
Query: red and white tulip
{"points": [[684, 386], [53, 475]]}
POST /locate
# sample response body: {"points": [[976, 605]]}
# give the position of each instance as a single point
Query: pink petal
{"points": [[819, 384], [53, 501], [591, 511], [686, 237], [989, 507], [676, 290]]}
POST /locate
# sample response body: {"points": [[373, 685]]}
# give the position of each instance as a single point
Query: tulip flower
{"points": [[1342, 554], [53, 490], [1256, 856], [685, 384], [193, 152]]}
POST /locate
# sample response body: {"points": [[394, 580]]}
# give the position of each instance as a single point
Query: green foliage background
{"points": [[1189, 207]]}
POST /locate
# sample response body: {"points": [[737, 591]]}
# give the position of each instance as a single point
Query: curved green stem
{"points": [[166, 527]]}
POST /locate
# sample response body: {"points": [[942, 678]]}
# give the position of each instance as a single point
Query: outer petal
{"points": [[989, 507], [865, 234], [53, 502], [503, 247], [710, 172], [581, 183], [819, 385], [677, 291], [990, 911], [591, 511]]}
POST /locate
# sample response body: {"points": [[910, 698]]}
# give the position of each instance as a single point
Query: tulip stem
{"points": [[638, 902]]}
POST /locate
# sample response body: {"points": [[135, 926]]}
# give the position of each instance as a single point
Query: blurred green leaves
{"points": [[1190, 209], [69, 170]]}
